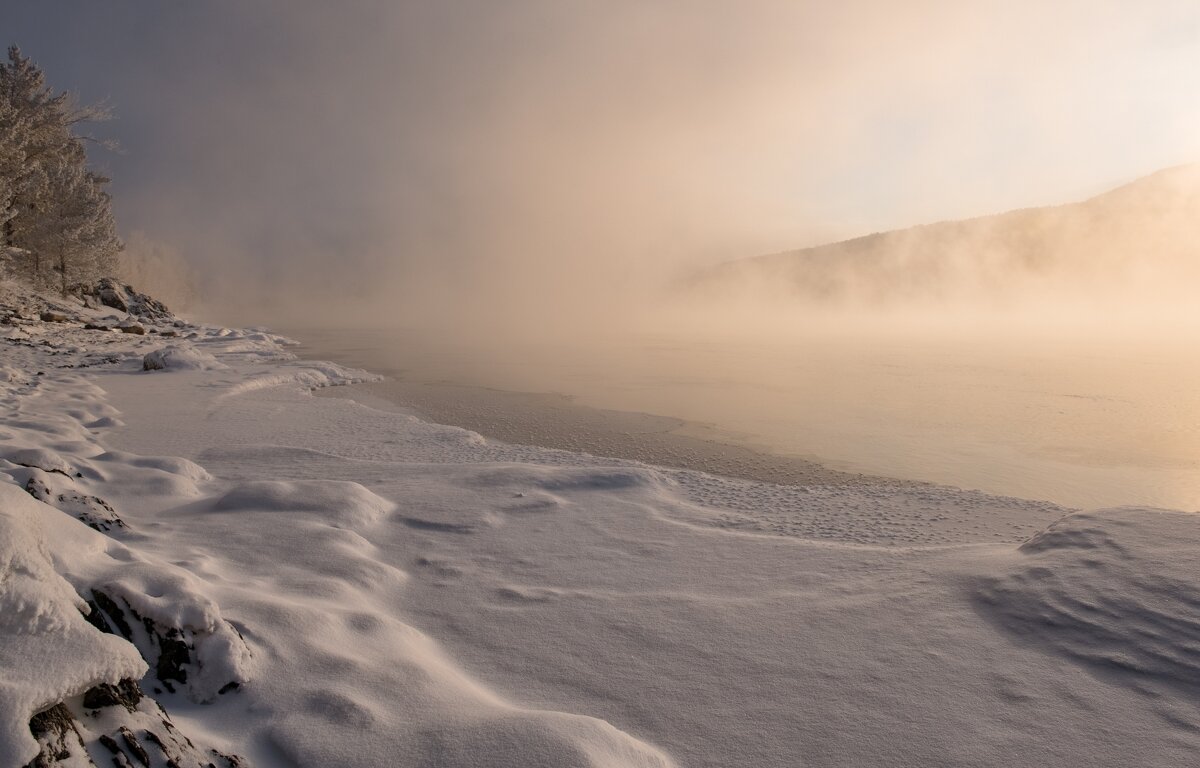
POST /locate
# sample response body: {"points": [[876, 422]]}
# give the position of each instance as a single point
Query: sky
{"points": [[481, 158]]}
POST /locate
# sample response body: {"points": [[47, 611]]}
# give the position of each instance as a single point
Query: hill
{"points": [[1143, 236]]}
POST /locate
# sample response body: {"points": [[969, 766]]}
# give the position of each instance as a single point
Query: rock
{"points": [[103, 604], [180, 358], [93, 511], [134, 746], [53, 317], [172, 652], [125, 693], [56, 734], [124, 298], [139, 733], [132, 328], [110, 744], [111, 294]]}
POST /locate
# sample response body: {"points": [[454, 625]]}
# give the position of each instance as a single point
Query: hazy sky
{"points": [[437, 153]]}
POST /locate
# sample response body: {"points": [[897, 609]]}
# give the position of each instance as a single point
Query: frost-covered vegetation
{"points": [[56, 215]]}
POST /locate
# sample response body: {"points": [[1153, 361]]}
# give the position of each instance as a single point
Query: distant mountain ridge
{"points": [[1142, 234]]}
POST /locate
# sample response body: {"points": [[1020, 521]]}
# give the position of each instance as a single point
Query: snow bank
{"points": [[341, 503], [41, 458], [1115, 590], [48, 651], [308, 375]]}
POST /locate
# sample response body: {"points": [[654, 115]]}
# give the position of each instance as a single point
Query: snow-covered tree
{"points": [[56, 220]]}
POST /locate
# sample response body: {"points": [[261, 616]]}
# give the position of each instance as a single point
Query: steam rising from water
{"points": [[538, 166]]}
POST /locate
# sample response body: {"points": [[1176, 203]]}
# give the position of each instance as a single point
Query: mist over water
{"points": [[1083, 422], [549, 197], [1044, 353]]}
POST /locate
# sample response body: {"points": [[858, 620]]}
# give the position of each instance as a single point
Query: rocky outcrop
{"points": [[108, 292], [92, 511], [175, 654], [118, 725]]}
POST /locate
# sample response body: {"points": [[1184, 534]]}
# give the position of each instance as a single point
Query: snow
{"points": [[362, 587], [48, 651], [180, 358]]}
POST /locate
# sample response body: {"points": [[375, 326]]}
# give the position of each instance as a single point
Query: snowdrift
{"points": [[1114, 590]]}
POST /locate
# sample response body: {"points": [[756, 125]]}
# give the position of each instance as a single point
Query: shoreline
{"points": [[537, 607], [1029, 426], [545, 420], [557, 421]]}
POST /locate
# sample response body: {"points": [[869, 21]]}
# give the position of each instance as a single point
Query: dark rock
{"points": [[53, 317], [90, 510], [124, 298], [173, 655], [134, 737], [109, 606], [37, 488], [132, 328], [55, 732], [97, 620], [54, 720], [110, 744], [233, 761], [112, 294], [125, 693], [135, 747]]}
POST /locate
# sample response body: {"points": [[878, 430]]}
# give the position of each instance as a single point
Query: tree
{"points": [[56, 217]]}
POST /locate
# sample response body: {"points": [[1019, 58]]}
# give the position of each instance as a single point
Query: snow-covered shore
{"points": [[299, 580]]}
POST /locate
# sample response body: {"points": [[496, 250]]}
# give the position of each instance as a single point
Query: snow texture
{"points": [[180, 357], [48, 651], [310, 581]]}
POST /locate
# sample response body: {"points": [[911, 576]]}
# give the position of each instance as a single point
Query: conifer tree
{"points": [[56, 218]]}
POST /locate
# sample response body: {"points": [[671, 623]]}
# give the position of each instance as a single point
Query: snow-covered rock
{"points": [[49, 652], [180, 358], [110, 293]]}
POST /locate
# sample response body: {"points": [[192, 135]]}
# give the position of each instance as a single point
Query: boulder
{"points": [[130, 325], [110, 293]]}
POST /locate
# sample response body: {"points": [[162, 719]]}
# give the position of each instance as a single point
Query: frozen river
{"points": [[1084, 424]]}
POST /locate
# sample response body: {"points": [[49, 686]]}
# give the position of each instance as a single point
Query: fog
{"points": [[545, 167]]}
